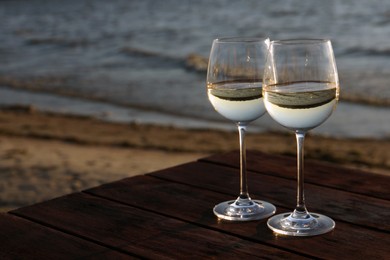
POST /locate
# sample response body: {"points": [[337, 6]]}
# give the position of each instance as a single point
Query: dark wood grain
{"points": [[316, 172], [195, 205], [142, 232], [22, 239], [168, 214], [340, 205]]}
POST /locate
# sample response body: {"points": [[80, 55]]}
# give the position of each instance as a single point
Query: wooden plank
{"points": [[22, 239], [141, 232], [195, 205], [338, 204], [316, 172]]}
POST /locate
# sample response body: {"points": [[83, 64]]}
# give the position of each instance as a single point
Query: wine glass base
{"points": [[233, 210], [316, 224]]}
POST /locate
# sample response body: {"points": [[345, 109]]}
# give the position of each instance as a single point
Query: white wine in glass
{"points": [[234, 88], [301, 90]]}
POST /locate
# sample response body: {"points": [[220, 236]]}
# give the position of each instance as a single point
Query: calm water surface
{"points": [[128, 60]]}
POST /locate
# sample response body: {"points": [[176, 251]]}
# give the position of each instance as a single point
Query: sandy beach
{"points": [[45, 155]]}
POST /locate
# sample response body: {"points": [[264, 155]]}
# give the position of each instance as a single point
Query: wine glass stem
{"points": [[243, 179], [301, 208]]}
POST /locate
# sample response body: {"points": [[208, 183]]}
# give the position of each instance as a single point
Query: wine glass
{"points": [[234, 87], [301, 90]]}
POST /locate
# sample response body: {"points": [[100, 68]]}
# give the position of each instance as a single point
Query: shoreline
{"points": [[46, 155], [349, 120]]}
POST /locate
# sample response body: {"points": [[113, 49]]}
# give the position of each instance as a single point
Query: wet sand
{"points": [[45, 155]]}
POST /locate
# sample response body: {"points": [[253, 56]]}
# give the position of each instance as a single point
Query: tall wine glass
{"points": [[234, 87], [301, 89]]}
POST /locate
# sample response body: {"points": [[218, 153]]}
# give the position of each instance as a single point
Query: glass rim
{"points": [[237, 39], [300, 41]]}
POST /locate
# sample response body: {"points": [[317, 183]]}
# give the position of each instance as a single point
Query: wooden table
{"points": [[168, 214]]}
